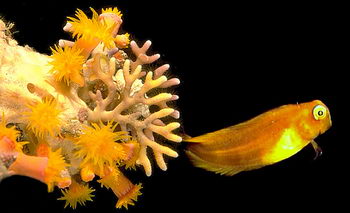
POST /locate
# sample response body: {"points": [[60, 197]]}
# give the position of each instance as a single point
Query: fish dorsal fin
{"points": [[242, 131]]}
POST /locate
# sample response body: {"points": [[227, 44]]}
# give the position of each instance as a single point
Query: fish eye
{"points": [[319, 112]]}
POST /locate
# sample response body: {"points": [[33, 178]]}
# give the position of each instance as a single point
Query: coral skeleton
{"points": [[91, 110]]}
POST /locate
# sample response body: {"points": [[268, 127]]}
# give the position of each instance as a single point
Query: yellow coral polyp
{"points": [[67, 64], [133, 150], [108, 179], [98, 146], [92, 29], [129, 198], [122, 41], [126, 191], [87, 173], [113, 10], [44, 117], [56, 170], [77, 194]]}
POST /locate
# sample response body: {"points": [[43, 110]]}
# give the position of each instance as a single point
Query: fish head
{"points": [[317, 118]]}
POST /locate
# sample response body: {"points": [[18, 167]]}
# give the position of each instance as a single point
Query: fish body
{"points": [[266, 139]]}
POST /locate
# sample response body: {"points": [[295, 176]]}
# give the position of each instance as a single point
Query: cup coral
{"points": [[77, 194], [92, 109], [43, 117], [67, 64]]}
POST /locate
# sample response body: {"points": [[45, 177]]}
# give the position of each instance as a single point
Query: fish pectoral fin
{"points": [[219, 169], [317, 149]]}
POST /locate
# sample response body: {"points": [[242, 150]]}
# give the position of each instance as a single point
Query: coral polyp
{"points": [[87, 111], [98, 148], [43, 118], [67, 64], [77, 194]]}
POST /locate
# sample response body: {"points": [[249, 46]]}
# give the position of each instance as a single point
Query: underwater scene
{"points": [[133, 106]]}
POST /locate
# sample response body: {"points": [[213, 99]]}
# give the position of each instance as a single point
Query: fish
{"points": [[268, 138]]}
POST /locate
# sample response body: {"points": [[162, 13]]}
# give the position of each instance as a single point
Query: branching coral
{"points": [[87, 110], [133, 112]]}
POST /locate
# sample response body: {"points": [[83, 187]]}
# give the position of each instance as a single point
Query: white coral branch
{"points": [[106, 75], [141, 56], [132, 110]]}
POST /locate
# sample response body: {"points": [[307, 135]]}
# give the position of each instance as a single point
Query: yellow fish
{"points": [[264, 140]]}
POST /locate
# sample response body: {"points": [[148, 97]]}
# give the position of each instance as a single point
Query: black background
{"points": [[234, 61]]}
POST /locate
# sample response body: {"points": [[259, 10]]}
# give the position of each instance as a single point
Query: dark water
{"points": [[235, 61]]}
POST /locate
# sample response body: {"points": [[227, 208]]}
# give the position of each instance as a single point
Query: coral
{"points": [[67, 64], [94, 29], [43, 117], [77, 193], [133, 113], [97, 146], [55, 171], [126, 192], [92, 109]]}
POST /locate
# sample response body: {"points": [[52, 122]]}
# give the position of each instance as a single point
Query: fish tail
{"points": [[201, 155], [197, 161], [212, 167]]}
